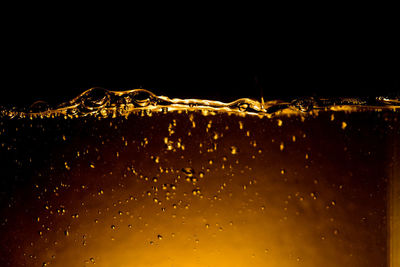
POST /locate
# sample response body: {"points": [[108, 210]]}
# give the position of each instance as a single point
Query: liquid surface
{"points": [[103, 103]]}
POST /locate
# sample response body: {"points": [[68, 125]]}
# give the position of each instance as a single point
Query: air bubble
{"points": [[188, 171], [234, 150]]}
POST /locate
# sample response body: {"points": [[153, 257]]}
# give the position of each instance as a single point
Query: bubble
{"points": [[281, 146], [188, 171], [113, 226], [196, 192], [344, 125], [335, 231], [234, 150]]}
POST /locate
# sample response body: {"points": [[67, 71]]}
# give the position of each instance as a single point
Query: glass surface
{"points": [[133, 179]]}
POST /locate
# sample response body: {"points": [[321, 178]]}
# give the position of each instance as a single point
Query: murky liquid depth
{"points": [[199, 184]]}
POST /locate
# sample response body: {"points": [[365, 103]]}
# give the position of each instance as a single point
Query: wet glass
{"points": [[134, 179]]}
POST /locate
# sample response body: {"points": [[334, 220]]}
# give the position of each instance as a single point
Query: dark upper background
{"points": [[54, 59]]}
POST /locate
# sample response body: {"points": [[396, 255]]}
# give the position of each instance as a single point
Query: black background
{"points": [[55, 57]]}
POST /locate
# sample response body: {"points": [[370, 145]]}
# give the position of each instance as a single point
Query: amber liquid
{"points": [[194, 187]]}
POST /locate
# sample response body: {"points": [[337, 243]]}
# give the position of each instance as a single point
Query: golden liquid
{"points": [[133, 179]]}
